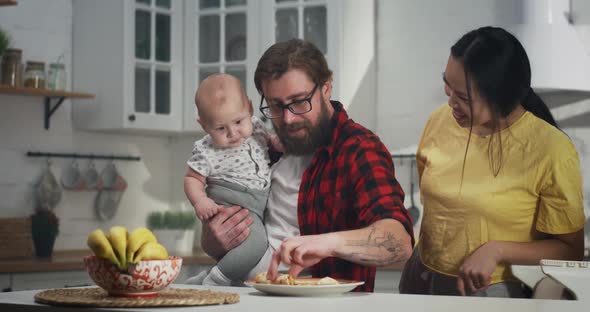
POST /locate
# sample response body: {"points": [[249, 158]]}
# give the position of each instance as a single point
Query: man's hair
{"points": [[292, 54]]}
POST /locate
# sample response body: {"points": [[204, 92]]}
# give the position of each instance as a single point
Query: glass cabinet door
{"points": [[223, 41], [153, 51], [221, 38], [302, 19]]}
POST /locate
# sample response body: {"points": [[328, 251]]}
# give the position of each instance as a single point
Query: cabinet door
{"points": [[220, 36], [154, 68], [316, 21]]}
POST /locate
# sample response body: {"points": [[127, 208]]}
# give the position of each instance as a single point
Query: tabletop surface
{"points": [[252, 300]]}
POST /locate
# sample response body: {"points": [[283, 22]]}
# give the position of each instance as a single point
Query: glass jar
{"points": [[35, 75], [11, 67], [56, 79]]}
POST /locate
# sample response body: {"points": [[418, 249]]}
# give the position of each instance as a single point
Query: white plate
{"points": [[305, 290]]}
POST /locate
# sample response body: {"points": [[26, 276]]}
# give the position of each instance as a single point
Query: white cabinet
{"points": [[5, 282], [128, 53], [144, 59], [220, 36]]}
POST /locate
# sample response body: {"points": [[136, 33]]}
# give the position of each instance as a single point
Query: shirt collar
{"points": [[338, 119]]}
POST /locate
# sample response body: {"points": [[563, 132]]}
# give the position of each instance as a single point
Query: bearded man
{"points": [[335, 207]]}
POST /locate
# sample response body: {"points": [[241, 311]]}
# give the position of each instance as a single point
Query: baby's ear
{"points": [[250, 104]]}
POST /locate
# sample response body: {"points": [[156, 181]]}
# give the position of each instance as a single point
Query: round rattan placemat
{"points": [[97, 297]]}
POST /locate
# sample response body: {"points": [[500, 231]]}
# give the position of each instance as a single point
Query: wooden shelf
{"points": [[58, 96], [7, 2], [42, 92]]}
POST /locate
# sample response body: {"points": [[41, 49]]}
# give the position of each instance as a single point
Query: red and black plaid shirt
{"points": [[349, 185]]}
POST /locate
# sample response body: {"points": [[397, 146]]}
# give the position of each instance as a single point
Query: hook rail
{"points": [[88, 156]]}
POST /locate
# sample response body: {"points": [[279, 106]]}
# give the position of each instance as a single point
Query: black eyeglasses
{"points": [[296, 107]]}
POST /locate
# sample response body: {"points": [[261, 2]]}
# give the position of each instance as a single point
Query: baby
{"points": [[230, 166]]}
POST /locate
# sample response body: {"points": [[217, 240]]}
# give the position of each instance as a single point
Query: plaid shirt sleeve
{"points": [[348, 188], [379, 194]]}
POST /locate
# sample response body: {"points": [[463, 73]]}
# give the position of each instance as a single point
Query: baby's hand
{"points": [[206, 208]]}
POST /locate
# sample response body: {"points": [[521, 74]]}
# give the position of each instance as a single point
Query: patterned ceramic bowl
{"points": [[143, 279]]}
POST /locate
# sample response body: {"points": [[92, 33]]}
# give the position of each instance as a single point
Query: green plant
{"points": [[171, 220], [45, 222], [4, 41]]}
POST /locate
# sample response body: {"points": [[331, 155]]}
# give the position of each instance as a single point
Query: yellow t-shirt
{"points": [[538, 187]]}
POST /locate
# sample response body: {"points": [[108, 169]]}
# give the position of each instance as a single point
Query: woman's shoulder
{"points": [[548, 138]]}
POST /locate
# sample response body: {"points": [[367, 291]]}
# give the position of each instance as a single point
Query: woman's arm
{"points": [[384, 242], [476, 271]]}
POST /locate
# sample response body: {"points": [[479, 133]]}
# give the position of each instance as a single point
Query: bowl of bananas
{"points": [[130, 264]]}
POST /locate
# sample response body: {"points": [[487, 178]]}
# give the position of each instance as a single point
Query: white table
{"points": [[252, 300]]}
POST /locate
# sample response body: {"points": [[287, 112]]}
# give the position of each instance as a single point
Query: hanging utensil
{"points": [[413, 210], [48, 190]]}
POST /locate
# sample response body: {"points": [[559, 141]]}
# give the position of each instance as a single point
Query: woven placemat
{"points": [[97, 297]]}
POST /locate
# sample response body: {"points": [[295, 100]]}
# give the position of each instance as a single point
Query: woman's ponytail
{"points": [[534, 104]]}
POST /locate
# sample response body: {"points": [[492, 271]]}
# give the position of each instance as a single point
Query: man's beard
{"points": [[315, 137]]}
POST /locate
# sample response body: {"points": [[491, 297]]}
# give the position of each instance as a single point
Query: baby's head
{"points": [[224, 110]]}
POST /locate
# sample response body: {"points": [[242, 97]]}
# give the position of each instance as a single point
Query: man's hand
{"points": [[476, 272], [302, 252], [226, 230]]}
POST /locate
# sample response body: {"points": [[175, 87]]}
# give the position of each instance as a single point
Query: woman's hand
{"points": [[476, 272], [226, 230], [301, 252]]}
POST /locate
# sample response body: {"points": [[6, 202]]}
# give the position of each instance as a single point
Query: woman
{"points": [[500, 183]]}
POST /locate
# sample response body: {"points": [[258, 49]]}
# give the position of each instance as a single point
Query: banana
{"points": [[151, 251], [118, 238], [136, 239], [100, 245]]}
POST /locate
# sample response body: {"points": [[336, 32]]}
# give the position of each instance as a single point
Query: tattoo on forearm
{"points": [[378, 249]]}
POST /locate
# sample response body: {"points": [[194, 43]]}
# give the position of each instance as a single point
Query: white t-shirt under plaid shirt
{"points": [[247, 164]]}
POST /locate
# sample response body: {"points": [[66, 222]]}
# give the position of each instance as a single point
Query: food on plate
{"points": [[261, 278], [286, 279], [327, 281], [122, 248]]}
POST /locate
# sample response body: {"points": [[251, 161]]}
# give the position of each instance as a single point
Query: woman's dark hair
{"points": [[497, 65], [294, 53]]}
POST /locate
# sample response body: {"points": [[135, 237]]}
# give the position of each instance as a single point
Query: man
{"points": [[335, 206]]}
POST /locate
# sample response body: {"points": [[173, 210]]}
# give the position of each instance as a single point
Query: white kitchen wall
{"points": [[43, 30]]}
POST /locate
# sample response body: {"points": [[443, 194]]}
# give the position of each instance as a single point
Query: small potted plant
{"points": [[45, 228], [174, 229], [4, 41]]}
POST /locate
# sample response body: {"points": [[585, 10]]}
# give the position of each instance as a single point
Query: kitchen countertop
{"points": [[71, 260], [251, 300]]}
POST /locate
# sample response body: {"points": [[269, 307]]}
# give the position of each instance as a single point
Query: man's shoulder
{"points": [[355, 135]]}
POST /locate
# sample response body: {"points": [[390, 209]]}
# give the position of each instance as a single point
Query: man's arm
{"points": [[382, 243], [225, 231]]}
